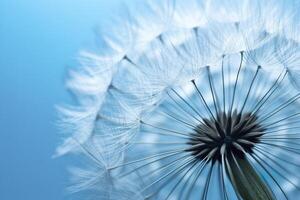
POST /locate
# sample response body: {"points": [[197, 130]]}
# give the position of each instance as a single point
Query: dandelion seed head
{"points": [[189, 100], [237, 132], [228, 112]]}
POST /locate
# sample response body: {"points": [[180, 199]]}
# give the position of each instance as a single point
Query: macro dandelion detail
{"points": [[223, 131], [201, 101]]}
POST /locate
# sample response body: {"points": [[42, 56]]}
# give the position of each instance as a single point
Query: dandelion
{"points": [[229, 134], [201, 101]]}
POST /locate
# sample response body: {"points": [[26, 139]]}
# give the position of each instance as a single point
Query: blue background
{"points": [[39, 40]]}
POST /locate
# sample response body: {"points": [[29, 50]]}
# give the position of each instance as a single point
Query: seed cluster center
{"points": [[234, 133]]}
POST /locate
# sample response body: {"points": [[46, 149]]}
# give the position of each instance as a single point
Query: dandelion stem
{"points": [[247, 183]]}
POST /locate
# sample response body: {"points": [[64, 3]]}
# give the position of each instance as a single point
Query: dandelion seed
{"points": [[203, 106]]}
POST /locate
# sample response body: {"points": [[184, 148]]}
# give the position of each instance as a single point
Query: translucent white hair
{"points": [[152, 46]]}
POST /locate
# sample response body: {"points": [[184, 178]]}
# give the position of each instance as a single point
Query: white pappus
{"points": [[189, 99]]}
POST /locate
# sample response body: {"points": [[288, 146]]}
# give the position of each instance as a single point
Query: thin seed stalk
{"points": [[245, 180]]}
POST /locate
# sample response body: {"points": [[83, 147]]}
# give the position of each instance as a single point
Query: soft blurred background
{"points": [[39, 40]]}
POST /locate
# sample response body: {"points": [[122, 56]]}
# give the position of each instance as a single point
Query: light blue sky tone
{"points": [[38, 41]]}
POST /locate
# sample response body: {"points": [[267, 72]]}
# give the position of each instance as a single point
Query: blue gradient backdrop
{"points": [[39, 39]]}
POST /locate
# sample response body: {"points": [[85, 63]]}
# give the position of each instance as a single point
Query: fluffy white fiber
{"points": [[156, 45]]}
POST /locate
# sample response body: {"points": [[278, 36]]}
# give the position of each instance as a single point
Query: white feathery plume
{"points": [[95, 179], [153, 49]]}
